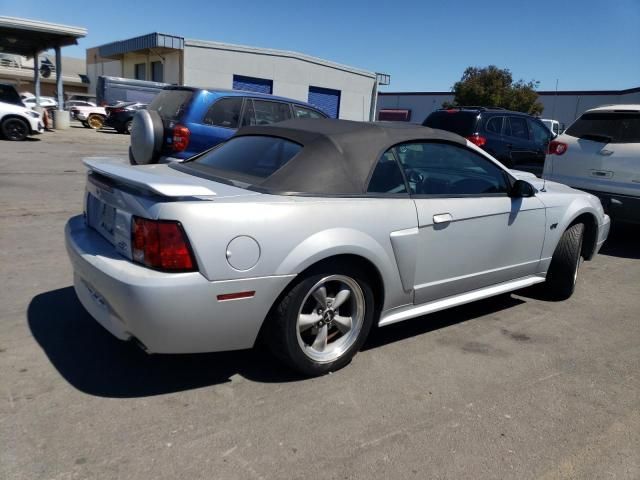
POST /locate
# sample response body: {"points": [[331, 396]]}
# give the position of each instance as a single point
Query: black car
{"points": [[120, 115], [516, 139]]}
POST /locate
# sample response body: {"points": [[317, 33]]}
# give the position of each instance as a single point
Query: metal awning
{"points": [[25, 37], [159, 41]]}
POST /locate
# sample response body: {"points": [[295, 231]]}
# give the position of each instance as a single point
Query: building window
{"points": [[157, 72], [140, 71], [394, 115], [252, 84]]}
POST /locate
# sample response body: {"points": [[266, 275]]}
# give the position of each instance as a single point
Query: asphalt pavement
{"points": [[513, 387]]}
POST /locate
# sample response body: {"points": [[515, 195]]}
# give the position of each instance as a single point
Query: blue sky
{"points": [[424, 45]]}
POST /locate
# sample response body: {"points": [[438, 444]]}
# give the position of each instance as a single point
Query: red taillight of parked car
{"points": [[557, 148], [161, 244], [181, 136], [477, 140]]}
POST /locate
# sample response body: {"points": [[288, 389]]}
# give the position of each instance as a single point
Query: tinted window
{"points": [[140, 72], [249, 115], [387, 177], [446, 169], [494, 125], [252, 156], [612, 127], [270, 112], [171, 104], [460, 122], [224, 113], [541, 134], [302, 112], [8, 94], [517, 127], [157, 71]]}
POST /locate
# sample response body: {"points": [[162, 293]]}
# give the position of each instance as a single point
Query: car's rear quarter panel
{"points": [[296, 232]]}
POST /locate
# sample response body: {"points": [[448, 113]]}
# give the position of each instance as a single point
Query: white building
{"points": [[564, 106], [341, 91]]}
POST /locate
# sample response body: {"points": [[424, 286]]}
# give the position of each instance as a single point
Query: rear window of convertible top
{"points": [[249, 159]]}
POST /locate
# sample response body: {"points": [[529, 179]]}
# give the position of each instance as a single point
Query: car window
{"points": [[453, 120], [250, 156], [541, 134], [517, 127], [494, 125], [171, 104], [387, 177], [444, 169], [608, 127], [302, 112], [267, 112], [249, 115], [224, 113]]}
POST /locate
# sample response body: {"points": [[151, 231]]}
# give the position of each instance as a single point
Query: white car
{"points": [[45, 102], [18, 122], [90, 116], [600, 153]]}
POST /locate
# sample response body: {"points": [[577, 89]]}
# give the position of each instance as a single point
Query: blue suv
{"points": [[183, 121]]}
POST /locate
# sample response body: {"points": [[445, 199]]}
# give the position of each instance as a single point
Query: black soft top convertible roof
{"points": [[338, 156]]}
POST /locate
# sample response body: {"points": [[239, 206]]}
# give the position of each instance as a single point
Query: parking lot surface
{"points": [[511, 387]]}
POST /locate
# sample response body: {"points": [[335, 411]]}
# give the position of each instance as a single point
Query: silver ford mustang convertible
{"points": [[308, 232]]}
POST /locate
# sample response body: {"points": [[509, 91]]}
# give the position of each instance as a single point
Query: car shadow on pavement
{"points": [[623, 241], [442, 319], [95, 362]]}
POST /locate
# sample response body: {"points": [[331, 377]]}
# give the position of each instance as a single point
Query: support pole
{"points": [[61, 118], [36, 77], [59, 91]]}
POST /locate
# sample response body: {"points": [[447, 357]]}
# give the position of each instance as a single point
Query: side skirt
{"points": [[412, 311]]}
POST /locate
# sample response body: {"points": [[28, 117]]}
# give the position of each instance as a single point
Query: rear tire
{"points": [[563, 271], [322, 321], [85, 124], [15, 129]]}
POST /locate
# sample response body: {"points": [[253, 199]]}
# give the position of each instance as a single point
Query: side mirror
{"points": [[522, 189]]}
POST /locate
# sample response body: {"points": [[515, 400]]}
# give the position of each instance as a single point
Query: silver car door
{"points": [[471, 233]]}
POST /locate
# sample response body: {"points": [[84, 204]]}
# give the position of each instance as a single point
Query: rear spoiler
{"points": [[168, 182]]}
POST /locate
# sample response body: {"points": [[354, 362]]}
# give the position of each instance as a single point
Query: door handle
{"points": [[605, 152], [442, 218]]}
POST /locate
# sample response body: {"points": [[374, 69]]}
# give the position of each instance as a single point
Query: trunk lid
{"points": [[116, 191]]}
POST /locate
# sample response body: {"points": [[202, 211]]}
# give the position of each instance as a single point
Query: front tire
{"points": [[563, 271], [322, 321], [15, 129]]}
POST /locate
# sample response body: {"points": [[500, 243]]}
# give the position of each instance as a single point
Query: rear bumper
{"points": [[168, 313], [622, 208]]}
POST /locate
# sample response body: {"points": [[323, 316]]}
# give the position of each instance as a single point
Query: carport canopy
{"points": [[28, 38]]}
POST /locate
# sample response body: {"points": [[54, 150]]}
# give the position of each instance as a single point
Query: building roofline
{"points": [[40, 26], [540, 92], [276, 53]]}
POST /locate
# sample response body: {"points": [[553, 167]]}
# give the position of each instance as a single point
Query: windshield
{"points": [[171, 104], [456, 121], [249, 159], [607, 127]]}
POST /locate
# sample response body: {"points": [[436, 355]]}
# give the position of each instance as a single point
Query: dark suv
{"points": [[183, 121], [516, 139]]}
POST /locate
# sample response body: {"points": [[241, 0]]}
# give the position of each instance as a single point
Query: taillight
{"points": [[477, 140], [161, 244], [116, 110], [557, 148], [181, 136]]}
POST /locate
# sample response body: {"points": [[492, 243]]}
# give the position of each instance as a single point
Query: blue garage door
{"points": [[251, 84], [326, 100]]}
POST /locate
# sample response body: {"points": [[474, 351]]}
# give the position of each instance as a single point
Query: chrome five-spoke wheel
{"points": [[330, 318]]}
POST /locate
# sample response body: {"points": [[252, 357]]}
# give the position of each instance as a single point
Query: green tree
{"points": [[494, 87]]}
